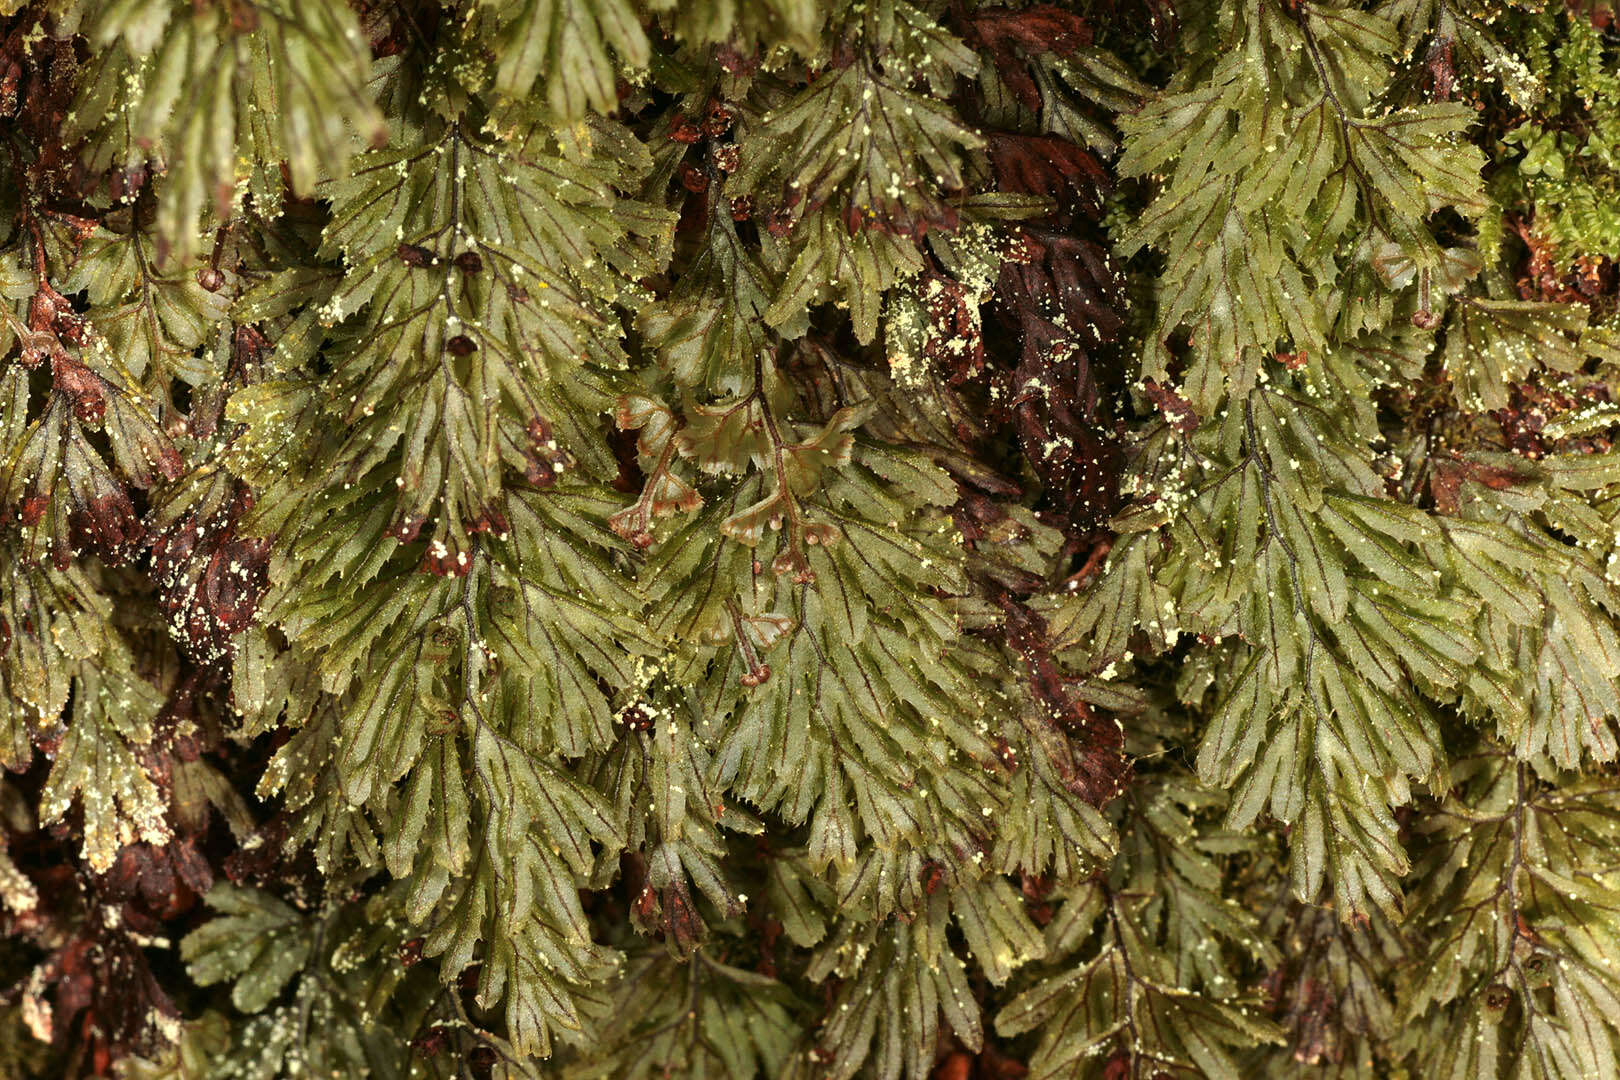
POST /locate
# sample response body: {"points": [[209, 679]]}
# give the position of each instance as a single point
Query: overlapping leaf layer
{"points": [[809, 539]]}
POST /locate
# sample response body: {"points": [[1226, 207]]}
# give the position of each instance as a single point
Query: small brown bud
{"points": [[406, 529], [32, 509], [693, 179], [779, 223], [718, 122], [413, 255]]}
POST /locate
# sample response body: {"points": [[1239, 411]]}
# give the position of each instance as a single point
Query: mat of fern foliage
{"points": [[901, 539]]}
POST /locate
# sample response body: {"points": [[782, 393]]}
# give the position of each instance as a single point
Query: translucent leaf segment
{"points": [[612, 468]]}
